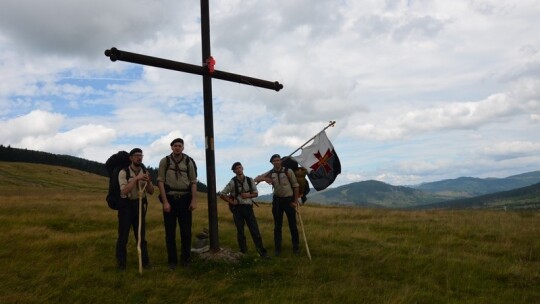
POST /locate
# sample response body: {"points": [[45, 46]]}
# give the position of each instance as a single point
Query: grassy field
{"points": [[57, 239]]}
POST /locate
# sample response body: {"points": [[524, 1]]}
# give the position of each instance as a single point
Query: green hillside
{"points": [[37, 178], [9, 154], [375, 194], [378, 194]]}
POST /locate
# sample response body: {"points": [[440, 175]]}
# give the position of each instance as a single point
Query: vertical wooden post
{"points": [[209, 129]]}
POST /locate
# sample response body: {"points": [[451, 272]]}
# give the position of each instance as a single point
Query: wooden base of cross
{"points": [[207, 71]]}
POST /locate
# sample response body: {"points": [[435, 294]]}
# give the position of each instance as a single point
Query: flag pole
{"points": [[303, 230], [330, 124]]}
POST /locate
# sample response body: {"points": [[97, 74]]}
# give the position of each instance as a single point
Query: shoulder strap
{"points": [[235, 180], [188, 159], [128, 173], [285, 170], [289, 178], [167, 165], [249, 184]]}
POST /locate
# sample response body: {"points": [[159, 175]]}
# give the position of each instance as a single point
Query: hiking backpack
{"points": [[302, 191], [114, 164], [303, 188]]}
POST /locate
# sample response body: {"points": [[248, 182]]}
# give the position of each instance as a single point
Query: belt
{"points": [[283, 197], [178, 195]]}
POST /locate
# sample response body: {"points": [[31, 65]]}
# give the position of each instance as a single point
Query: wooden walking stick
{"points": [[303, 231], [139, 251]]}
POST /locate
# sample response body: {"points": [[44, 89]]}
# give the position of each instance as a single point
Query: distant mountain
{"points": [[373, 193], [520, 198], [471, 186], [370, 193]]}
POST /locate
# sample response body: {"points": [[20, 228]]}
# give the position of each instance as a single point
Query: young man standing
{"points": [[285, 199], [177, 182], [239, 193], [128, 208]]}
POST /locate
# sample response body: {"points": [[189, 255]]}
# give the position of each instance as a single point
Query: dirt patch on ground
{"points": [[223, 254]]}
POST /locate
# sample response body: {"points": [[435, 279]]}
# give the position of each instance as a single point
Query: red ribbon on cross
{"points": [[210, 63]]}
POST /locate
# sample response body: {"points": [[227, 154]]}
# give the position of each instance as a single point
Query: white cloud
{"points": [[495, 109], [72, 142], [511, 149], [420, 90], [35, 123], [82, 28]]}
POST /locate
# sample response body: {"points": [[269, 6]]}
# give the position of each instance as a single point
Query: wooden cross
{"points": [[207, 71]]}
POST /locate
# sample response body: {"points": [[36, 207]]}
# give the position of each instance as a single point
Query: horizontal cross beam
{"points": [[115, 54]]}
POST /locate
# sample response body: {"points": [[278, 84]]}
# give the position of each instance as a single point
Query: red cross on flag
{"points": [[321, 161]]}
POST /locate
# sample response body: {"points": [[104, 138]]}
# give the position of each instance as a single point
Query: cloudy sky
{"points": [[421, 90]]}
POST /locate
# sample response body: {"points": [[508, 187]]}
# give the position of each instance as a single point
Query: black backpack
{"points": [[114, 164]]}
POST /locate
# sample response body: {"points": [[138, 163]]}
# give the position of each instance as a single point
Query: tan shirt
{"points": [[281, 184], [243, 187], [177, 175], [134, 194]]}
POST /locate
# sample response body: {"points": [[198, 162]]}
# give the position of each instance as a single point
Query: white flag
{"points": [[321, 161]]}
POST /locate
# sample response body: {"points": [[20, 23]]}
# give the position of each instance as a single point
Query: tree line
{"points": [[10, 154]]}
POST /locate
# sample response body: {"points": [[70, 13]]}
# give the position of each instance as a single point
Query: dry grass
{"points": [[58, 246]]}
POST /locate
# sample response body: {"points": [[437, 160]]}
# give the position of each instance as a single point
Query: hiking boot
{"points": [[172, 266], [296, 252], [277, 253], [262, 253]]}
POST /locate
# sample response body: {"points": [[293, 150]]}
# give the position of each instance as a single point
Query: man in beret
{"points": [[239, 193], [177, 182], [130, 180], [284, 200]]}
